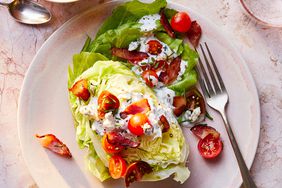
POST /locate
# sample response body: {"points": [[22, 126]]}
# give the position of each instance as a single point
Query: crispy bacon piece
{"points": [[141, 106], [136, 171], [52, 143], [171, 73], [179, 102], [121, 138], [201, 131], [159, 65], [80, 89], [194, 33], [164, 123], [131, 56], [155, 47], [166, 24]]}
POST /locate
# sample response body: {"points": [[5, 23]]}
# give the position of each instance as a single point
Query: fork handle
{"points": [[247, 179]]}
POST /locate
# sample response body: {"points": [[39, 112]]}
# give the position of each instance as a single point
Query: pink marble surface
{"points": [[260, 46]]}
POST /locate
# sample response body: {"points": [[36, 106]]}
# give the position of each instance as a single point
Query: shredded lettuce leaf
{"points": [[95, 165], [120, 38], [82, 62]]}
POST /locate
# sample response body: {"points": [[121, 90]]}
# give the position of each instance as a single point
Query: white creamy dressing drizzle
{"points": [[183, 66], [148, 22], [193, 115], [166, 54], [111, 121], [90, 110]]}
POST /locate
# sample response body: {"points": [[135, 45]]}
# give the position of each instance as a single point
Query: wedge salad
{"points": [[131, 87]]}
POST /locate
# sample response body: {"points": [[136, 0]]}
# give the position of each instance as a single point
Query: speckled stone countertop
{"points": [[260, 46]]}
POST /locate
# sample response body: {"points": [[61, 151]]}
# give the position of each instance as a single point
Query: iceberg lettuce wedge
{"points": [[166, 155]]}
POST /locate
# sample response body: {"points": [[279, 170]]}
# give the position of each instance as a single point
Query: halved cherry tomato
{"points": [[136, 123], [52, 143], [181, 22], [155, 47], [136, 171], [110, 148], [179, 103], [201, 131], [80, 89], [150, 77], [117, 167], [107, 102], [141, 106], [210, 147], [195, 99]]}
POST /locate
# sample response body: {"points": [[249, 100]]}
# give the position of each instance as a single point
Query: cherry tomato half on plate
{"points": [[181, 22], [210, 147], [150, 77], [117, 167], [136, 123], [110, 148]]}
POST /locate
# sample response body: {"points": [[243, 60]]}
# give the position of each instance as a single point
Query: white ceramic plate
{"points": [[44, 108]]}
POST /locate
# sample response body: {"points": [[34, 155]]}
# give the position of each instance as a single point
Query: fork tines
{"points": [[209, 77]]}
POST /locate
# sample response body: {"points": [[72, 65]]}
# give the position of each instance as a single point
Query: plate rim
{"points": [[104, 5], [61, 2]]}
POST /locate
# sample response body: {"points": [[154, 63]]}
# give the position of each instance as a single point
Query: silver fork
{"points": [[217, 98]]}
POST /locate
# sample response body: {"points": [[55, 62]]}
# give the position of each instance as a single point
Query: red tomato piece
{"points": [[210, 147], [80, 89], [136, 171], [136, 123], [52, 143], [110, 148], [117, 167], [181, 22], [155, 47], [201, 131], [107, 102], [150, 77], [141, 106]]}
